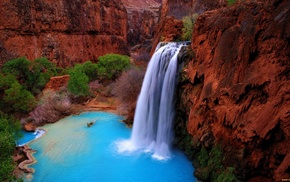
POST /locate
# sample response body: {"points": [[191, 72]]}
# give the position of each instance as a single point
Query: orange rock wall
{"points": [[238, 87], [65, 32]]}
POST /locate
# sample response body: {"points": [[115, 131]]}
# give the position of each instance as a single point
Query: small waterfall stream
{"points": [[154, 115]]}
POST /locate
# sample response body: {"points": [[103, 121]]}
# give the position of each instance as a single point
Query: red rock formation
{"points": [[63, 31], [238, 87], [172, 11], [57, 82], [169, 29], [143, 17], [181, 8]]}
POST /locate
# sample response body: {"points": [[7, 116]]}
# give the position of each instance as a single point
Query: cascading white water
{"points": [[154, 115]]}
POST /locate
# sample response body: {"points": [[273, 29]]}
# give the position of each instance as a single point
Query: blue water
{"points": [[70, 151], [27, 137]]}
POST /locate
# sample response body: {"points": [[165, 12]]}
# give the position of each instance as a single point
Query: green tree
{"points": [[91, 70], [88, 68], [19, 98], [6, 81], [9, 129], [33, 75], [78, 83], [110, 66], [188, 25], [17, 67]]}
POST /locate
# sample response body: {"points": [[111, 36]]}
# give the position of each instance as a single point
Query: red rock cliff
{"points": [[238, 87], [143, 17], [63, 31], [172, 11]]}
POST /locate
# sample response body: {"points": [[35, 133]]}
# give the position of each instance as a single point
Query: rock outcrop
{"points": [[56, 83], [236, 90], [63, 31], [143, 17], [172, 11]]}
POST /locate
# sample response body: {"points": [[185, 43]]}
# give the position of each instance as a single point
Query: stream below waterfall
{"points": [[72, 151]]}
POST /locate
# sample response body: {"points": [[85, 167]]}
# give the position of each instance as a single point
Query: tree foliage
{"points": [[78, 83], [188, 25], [33, 75], [19, 98], [9, 132], [110, 66]]}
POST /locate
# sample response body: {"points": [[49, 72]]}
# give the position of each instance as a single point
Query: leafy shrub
{"points": [[9, 129], [90, 69], [128, 86], [110, 66], [17, 67], [188, 25], [6, 81], [33, 75], [78, 83], [19, 98]]}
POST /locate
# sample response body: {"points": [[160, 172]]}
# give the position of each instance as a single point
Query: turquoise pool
{"points": [[71, 151]]}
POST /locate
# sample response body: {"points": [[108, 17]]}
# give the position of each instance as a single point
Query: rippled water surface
{"points": [[71, 151]]}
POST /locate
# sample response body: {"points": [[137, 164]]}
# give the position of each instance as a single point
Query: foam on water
{"points": [[70, 151], [29, 137]]}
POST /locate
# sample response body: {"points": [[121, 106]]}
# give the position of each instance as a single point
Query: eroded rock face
{"points": [[65, 32], [181, 8], [237, 90], [143, 17], [56, 83], [172, 12]]}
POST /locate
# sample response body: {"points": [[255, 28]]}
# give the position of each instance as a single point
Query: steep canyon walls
{"points": [[63, 31], [143, 17], [237, 90]]}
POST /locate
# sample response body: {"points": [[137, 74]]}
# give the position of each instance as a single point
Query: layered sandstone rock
{"points": [[237, 90], [65, 32]]}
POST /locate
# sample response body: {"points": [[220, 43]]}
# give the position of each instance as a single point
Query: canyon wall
{"points": [[143, 17], [172, 11], [181, 8], [62, 31], [236, 90]]}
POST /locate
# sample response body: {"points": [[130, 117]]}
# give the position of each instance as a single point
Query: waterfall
{"points": [[154, 115]]}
